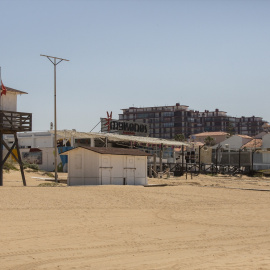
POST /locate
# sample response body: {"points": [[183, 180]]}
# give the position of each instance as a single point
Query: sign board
{"points": [[124, 127], [32, 157]]}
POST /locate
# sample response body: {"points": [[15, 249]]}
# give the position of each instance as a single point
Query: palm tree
{"points": [[209, 141], [179, 137]]}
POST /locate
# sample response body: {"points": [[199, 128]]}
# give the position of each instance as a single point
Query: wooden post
{"points": [[252, 160], [155, 165], [1, 159], [239, 159], [216, 159], [200, 159], [19, 158], [150, 171], [160, 157], [182, 157]]}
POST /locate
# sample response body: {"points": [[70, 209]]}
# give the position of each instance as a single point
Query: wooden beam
{"points": [[9, 152]]}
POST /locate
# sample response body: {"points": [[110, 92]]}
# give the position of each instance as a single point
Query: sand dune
{"points": [[200, 223]]}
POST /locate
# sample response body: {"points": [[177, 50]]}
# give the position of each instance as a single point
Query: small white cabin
{"points": [[8, 102], [106, 166]]}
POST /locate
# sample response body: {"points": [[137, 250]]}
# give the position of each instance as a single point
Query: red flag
{"points": [[4, 90]]}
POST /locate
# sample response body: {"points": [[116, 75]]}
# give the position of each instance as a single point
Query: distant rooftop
{"points": [[255, 143], [244, 136], [218, 133]]}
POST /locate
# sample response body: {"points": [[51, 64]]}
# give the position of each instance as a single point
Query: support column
{"points": [[200, 159], [150, 171], [19, 158], [160, 157], [183, 156], [155, 165], [92, 142], [239, 160], [1, 159]]}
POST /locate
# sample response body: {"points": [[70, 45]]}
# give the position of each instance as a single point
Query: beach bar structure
{"points": [[106, 166], [12, 122]]}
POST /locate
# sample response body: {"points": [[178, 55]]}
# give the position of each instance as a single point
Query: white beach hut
{"points": [[106, 166]]}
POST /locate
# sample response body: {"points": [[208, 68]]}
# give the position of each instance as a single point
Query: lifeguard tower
{"points": [[12, 122]]}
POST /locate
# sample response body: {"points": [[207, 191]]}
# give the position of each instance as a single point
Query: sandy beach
{"points": [[201, 223]]}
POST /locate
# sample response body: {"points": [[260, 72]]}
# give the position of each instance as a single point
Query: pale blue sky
{"points": [[205, 54]]}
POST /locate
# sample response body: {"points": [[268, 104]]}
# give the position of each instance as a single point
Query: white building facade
{"points": [[43, 142]]}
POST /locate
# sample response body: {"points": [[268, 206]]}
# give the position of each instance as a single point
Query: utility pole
{"points": [[55, 63]]}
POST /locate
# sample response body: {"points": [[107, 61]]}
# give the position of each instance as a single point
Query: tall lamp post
{"points": [[55, 63], [200, 147]]}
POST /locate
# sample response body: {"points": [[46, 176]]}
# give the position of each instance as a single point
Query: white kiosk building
{"points": [[106, 166]]}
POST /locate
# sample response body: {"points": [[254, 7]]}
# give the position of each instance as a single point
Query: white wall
{"points": [[47, 158], [141, 170], [34, 139], [91, 168], [118, 163], [31, 139], [266, 141], [75, 167], [115, 169], [83, 167], [26, 141], [8, 102]]}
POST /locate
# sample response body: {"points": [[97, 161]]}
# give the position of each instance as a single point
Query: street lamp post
{"points": [[200, 147], [217, 156], [55, 63]]}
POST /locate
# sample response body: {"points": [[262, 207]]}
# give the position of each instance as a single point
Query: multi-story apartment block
{"points": [[167, 121]]}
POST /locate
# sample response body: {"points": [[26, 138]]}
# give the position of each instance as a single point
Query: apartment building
{"points": [[167, 121]]}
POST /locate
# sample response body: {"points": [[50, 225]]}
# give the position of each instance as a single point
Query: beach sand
{"points": [[200, 223]]}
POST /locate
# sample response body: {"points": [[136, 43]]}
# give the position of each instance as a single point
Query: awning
{"points": [[117, 137]]}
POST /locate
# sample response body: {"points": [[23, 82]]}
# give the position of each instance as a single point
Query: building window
{"points": [[168, 114], [170, 124]]}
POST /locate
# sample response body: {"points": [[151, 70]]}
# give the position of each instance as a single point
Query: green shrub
{"points": [[60, 167], [51, 184], [9, 166], [33, 167], [49, 174]]}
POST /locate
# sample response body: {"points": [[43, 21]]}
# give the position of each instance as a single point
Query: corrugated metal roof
{"points": [[116, 137], [113, 151], [15, 91]]}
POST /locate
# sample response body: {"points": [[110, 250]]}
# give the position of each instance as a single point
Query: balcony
{"points": [[11, 121]]}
